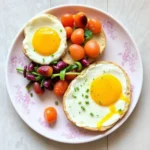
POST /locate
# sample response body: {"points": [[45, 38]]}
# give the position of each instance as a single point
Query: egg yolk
{"points": [[46, 41], [105, 90]]}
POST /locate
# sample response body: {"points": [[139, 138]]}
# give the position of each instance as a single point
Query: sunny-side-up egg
{"points": [[45, 39], [99, 97]]}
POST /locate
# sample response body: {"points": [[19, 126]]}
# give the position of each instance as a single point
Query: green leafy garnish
{"points": [[43, 60], [86, 96], [56, 103], [74, 96], [79, 102], [86, 102], [120, 110], [83, 108], [31, 94], [92, 114], [87, 34], [87, 90]]}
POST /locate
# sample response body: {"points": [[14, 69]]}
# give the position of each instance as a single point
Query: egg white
{"points": [[43, 20], [82, 118]]}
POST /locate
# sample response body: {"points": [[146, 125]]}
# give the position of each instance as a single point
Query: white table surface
{"points": [[134, 134]]}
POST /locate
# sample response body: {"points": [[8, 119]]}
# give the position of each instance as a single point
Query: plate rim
{"points": [[130, 37]]}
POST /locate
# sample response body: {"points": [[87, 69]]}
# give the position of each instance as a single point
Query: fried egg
{"points": [[99, 97], [45, 39]]}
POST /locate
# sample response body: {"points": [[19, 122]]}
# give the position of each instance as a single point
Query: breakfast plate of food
{"points": [[74, 74]]}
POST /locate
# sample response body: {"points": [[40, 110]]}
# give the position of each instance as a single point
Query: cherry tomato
{"points": [[37, 88], [68, 32], [60, 87], [94, 25], [67, 20], [45, 71], [92, 49], [80, 20], [77, 36], [76, 51], [50, 115]]}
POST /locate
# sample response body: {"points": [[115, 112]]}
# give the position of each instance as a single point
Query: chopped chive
{"points": [[82, 95], [60, 30], [100, 102], [69, 106], [120, 110], [43, 60], [92, 114], [87, 90], [52, 55], [81, 85], [79, 102], [86, 102], [74, 96], [86, 96], [79, 112], [86, 80], [77, 88], [56, 103], [97, 115], [83, 108], [31, 94]]}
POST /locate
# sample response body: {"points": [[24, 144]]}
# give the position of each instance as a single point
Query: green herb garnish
{"points": [[92, 114], [43, 60], [74, 96], [86, 96], [83, 108], [82, 95], [100, 102], [87, 102], [31, 94], [56, 103], [79, 102], [77, 88], [60, 30], [120, 110], [87, 90], [87, 34]]}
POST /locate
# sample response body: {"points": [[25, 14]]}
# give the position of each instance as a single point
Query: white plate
{"points": [[120, 49]]}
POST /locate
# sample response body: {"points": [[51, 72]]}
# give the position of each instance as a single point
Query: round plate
{"points": [[120, 49]]}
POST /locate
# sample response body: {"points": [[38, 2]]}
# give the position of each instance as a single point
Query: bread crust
{"points": [[128, 93]]}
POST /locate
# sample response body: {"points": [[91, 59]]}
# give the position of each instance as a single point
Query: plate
{"points": [[120, 49]]}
